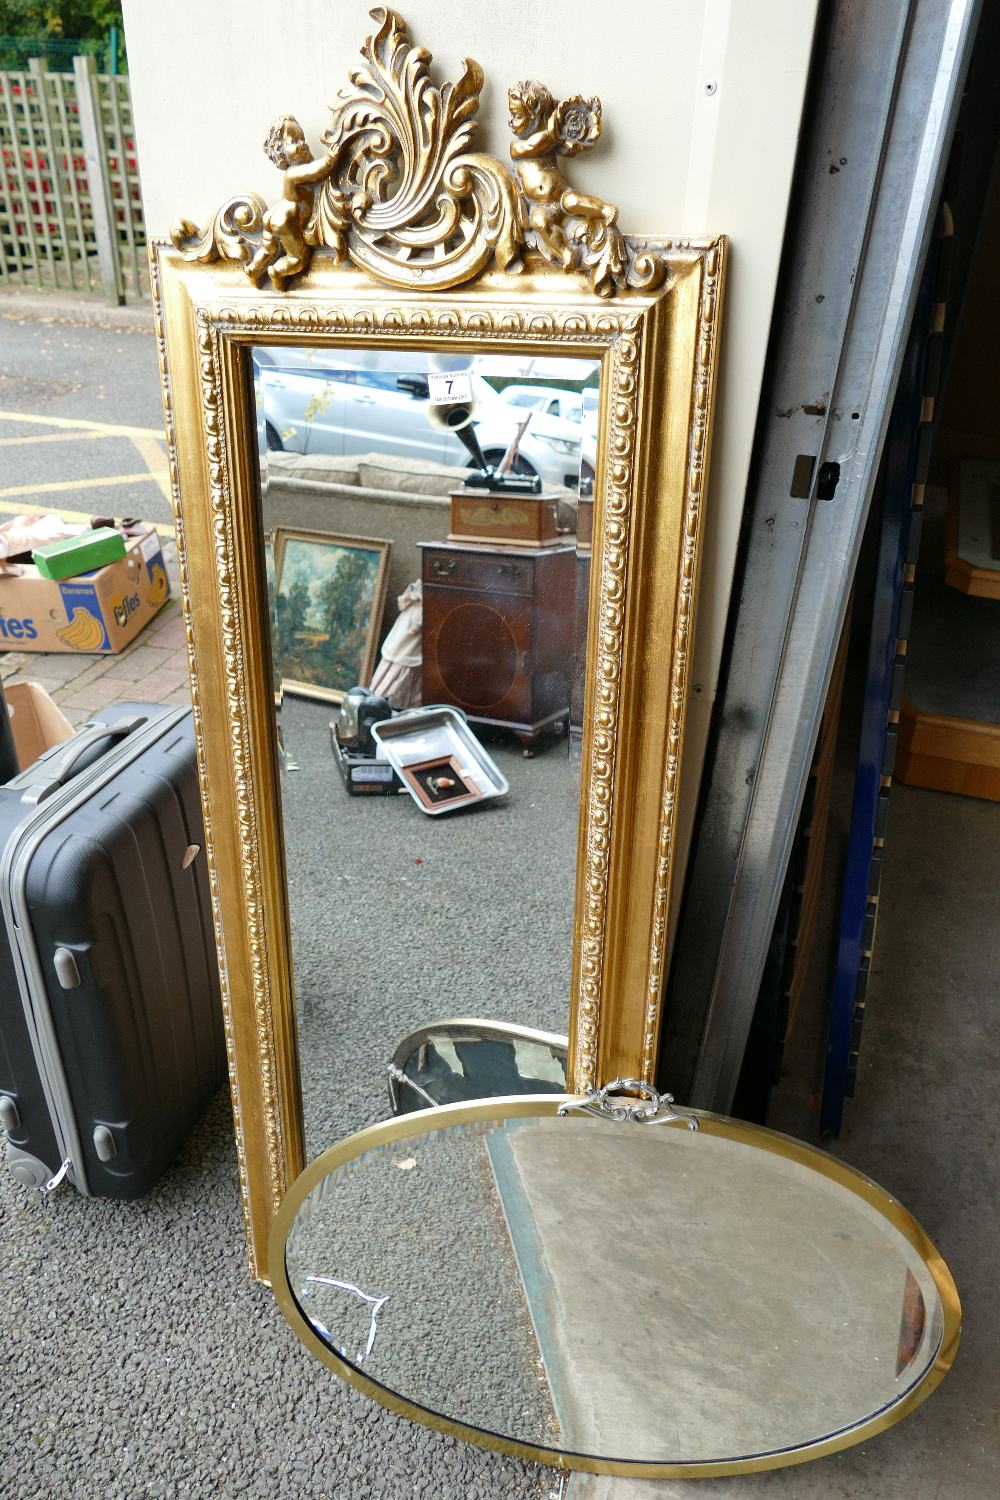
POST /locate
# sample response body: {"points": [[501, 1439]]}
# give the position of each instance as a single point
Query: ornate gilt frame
{"points": [[566, 282]]}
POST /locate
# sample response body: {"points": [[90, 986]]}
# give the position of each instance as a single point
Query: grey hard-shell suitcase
{"points": [[111, 1037]]}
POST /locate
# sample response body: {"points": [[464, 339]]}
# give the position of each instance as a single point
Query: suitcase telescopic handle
{"points": [[55, 773]]}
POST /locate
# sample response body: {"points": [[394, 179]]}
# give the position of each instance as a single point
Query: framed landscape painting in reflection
{"points": [[329, 594]]}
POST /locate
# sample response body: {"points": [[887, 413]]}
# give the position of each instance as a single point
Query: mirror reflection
{"points": [[427, 523], [757, 1304], [454, 1061]]}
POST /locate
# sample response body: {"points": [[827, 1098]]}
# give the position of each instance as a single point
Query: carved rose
{"points": [[578, 122]]}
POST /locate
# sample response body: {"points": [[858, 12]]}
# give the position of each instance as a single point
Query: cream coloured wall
{"points": [[702, 102]]}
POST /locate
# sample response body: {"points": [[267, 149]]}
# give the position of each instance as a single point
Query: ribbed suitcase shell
{"points": [[105, 883]]}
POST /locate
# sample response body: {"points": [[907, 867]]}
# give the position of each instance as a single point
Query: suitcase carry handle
{"points": [[58, 771]]}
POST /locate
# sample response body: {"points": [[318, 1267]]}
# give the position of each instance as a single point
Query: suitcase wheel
{"points": [[27, 1169]]}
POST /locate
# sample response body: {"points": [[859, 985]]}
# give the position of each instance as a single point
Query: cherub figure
{"points": [[286, 222], [562, 218]]}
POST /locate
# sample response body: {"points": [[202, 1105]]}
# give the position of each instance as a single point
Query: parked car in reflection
{"points": [[573, 406], [372, 410], [551, 400]]}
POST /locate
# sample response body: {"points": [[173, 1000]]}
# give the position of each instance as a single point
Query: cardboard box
{"points": [[36, 723], [98, 612]]}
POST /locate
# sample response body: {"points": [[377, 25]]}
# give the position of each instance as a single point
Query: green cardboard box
{"points": [[79, 554], [99, 612]]}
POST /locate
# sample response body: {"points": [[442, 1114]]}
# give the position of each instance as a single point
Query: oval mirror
{"points": [[672, 1296]]}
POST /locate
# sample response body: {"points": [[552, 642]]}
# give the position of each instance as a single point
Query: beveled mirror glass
{"points": [[363, 481], [768, 1304], [419, 289]]}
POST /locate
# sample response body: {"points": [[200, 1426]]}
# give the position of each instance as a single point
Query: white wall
{"points": [[679, 159]]}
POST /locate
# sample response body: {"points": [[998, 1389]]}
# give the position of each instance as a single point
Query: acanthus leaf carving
{"points": [[399, 191], [423, 206]]}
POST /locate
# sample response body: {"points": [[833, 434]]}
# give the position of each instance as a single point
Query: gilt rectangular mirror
{"points": [[439, 432]]}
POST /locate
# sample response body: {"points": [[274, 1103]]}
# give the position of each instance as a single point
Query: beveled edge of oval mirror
{"points": [[426, 1122]]}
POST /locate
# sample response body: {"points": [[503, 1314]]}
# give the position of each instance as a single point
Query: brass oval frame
{"points": [[542, 1105]]}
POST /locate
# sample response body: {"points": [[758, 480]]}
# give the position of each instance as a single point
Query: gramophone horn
{"points": [[451, 417], [456, 416], [460, 413]]}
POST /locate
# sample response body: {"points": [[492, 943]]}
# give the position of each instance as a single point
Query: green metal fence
{"points": [[58, 52], [70, 206]]}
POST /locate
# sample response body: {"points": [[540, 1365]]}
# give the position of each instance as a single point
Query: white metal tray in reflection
{"points": [[439, 760]]}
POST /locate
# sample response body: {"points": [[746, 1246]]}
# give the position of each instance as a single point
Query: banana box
{"points": [[93, 613]]}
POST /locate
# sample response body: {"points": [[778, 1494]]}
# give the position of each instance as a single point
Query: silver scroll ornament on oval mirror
{"points": [[500, 1270]]}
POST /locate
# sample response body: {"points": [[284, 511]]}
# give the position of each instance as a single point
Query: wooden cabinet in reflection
{"points": [[498, 633]]}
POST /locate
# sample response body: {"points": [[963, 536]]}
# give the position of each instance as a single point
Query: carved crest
{"points": [[398, 190]]}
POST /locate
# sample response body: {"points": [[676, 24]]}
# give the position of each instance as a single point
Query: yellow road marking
{"points": [[111, 429], [8, 508], [77, 484], [54, 437], [151, 453]]}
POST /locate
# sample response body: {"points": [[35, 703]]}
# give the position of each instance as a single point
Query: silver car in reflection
{"points": [[363, 410], [550, 400]]}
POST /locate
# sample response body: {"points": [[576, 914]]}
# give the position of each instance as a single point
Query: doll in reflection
{"points": [[398, 676]]}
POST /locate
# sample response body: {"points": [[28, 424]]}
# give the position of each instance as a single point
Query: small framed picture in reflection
{"points": [[440, 781], [328, 600]]}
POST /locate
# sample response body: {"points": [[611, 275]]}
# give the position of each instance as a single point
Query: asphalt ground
{"points": [[81, 423], [399, 919], [139, 1360], [81, 434]]}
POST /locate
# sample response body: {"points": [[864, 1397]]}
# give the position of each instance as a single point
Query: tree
{"points": [[84, 20], [290, 614], [346, 595], [56, 30], [345, 601]]}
